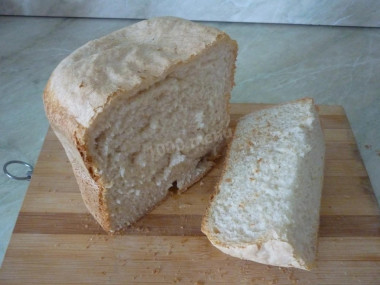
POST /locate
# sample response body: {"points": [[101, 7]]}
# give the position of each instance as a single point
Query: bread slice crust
{"points": [[265, 250]]}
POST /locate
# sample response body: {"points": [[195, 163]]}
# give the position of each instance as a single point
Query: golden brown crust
{"points": [[71, 136]]}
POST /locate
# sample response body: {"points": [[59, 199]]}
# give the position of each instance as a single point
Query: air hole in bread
{"points": [[174, 187]]}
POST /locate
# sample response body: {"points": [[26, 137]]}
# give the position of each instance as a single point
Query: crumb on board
{"points": [[184, 240]]}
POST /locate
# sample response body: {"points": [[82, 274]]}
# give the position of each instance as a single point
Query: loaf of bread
{"points": [[140, 110], [266, 205]]}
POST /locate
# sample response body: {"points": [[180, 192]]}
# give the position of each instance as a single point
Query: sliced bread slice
{"points": [[266, 205]]}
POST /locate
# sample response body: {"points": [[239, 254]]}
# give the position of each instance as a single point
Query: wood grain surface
{"points": [[56, 240]]}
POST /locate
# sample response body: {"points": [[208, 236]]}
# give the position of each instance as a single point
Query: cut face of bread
{"points": [[146, 110], [144, 145], [266, 206]]}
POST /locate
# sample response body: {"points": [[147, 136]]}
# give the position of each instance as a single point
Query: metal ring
{"points": [[28, 173]]}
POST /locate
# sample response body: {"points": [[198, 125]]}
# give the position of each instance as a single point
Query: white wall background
{"points": [[364, 13]]}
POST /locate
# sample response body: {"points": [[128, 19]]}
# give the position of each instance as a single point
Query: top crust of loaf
{"points": [[126, 61]]}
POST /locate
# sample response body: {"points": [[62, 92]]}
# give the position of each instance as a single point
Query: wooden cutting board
{"points": [[56, 241]]}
